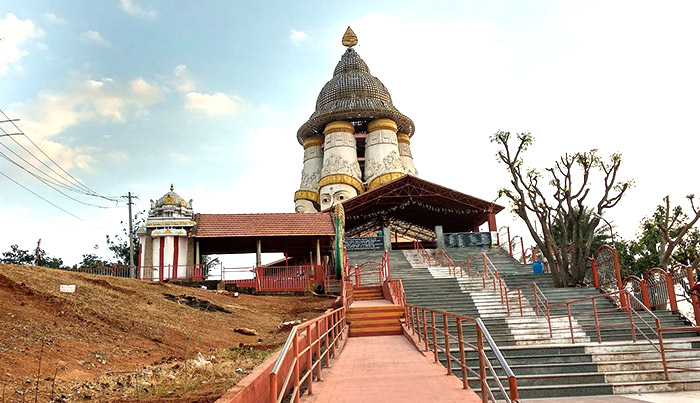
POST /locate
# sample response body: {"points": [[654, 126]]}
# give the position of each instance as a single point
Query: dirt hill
{"points": [[117, 339]]}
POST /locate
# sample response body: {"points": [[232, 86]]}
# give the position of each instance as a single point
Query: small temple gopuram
{"points": [[356, 153]]}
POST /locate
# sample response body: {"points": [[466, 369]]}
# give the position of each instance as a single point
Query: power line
{"points": [[42, 198], [52, 185], [75, 181]]}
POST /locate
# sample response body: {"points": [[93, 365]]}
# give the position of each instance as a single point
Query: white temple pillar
{"points": [[341, 177], [306, 198], [405, 153], [382, 160]]}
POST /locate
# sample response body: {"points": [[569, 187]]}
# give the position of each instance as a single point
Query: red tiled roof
{"points": [[263, 225]]}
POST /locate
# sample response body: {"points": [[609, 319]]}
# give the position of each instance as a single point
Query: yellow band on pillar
{"points": [[339, 126], [313, 141], [382, 124], [341, 178], [402, 137], [384, 178], [304, 194]]}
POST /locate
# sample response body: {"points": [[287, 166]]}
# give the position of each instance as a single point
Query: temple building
{"points": [[356, 140], [356, 154], [165, 240]]}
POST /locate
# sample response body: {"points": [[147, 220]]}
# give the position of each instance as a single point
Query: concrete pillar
{"points": [[197, 255], [383, 163], [318, 251], [341, 177], [258, 253], [439, 237], [306, 199], [405, 153], [387, 238]]}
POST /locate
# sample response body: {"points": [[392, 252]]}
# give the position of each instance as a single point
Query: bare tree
{"points": [[673, 226], [568, 248]]}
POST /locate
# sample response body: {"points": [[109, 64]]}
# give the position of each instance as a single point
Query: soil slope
{"points": [[121, 339]]}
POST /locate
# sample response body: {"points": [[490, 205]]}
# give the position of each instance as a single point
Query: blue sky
{"points": [[131, 95]]}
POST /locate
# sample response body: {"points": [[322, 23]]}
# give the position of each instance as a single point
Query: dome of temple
{"points": [[171, 205], [352, 94], [171, 199]]}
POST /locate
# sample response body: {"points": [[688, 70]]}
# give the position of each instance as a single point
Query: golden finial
{"points": [[171, 187], [349, 38]]}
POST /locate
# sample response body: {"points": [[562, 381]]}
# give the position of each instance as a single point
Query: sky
{"points": [[133, 95]]}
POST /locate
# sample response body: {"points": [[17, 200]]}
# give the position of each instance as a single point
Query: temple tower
{"points": [[356, 140], [166, 247]]}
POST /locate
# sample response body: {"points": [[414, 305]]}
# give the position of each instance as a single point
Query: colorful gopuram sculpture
{"points": [[356, 140]]}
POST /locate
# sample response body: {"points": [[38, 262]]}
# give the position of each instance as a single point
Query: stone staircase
{"points": [[547, 366]]}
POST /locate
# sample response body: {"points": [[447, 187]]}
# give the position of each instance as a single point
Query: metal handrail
{"points": [[331, 334], [418, 324]]}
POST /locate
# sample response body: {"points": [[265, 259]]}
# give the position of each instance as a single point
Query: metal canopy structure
{"points": [[412, 207]]}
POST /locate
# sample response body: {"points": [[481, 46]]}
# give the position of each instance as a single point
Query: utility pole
{"points": [[38, 248], [132, 267]]}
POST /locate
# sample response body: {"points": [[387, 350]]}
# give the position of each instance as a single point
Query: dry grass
{"points": [[112, 327]]}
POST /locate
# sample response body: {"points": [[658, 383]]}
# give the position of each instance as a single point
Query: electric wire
{"points": [[42, 198], [74, 180]]}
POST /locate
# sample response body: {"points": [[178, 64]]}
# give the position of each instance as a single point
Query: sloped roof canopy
{"points": [[238, 233], [415, 206]]}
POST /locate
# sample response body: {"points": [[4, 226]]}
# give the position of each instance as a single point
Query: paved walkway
{"points": [[386, 369]]}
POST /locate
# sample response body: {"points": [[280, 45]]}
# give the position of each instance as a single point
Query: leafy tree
{"points": [[570, 181], [119, 244], [17, 256], [91, 261], [601, 236]]}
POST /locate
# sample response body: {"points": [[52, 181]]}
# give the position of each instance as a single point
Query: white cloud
{"points": [[15, 33], [96, 37], [133, 9], [143, 92], [54, 19], [186, 81], [213, 104], [298, 37], [83, 100]]}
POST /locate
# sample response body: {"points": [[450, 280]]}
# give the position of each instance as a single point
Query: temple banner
{"points": [[467, 239], [370, 243]]}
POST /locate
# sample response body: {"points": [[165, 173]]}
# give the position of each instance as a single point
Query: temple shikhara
{"points": [[424, 267], [355, 141]]}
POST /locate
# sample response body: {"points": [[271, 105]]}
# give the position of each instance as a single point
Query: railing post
{"points": [[534, 293], [594, 273], [462, 356], [446, 328], [435, 345], [482, 364], [425, 331], [486, 269], [571, 325], [295, 350], [671, 292], [273, 387], [644, 289], [358, 281], [309, 360]]}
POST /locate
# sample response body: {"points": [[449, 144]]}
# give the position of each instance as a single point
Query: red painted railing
{"points": [[308, 347], [369, 273], [429, 324]]}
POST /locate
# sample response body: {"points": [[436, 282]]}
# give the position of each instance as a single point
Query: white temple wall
{"points": [[406, 155], [341, 172], [383, 162], [156, 257]]}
